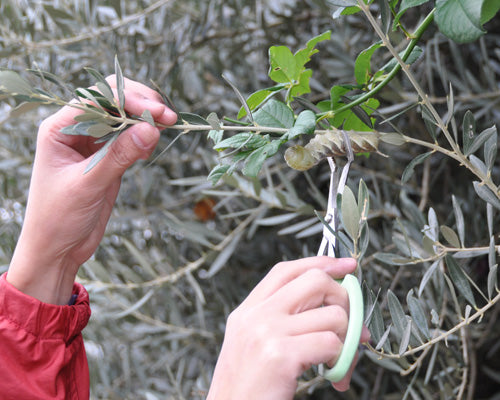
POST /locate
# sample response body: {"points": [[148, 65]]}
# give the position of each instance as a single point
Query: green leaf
{"points": [[304, 125], [303, 56], [343, 3], [244, 139], [363, 199], [410, 168], [385, 15], [418, 314], [492, 280], [393, 138], [80, 128], [350, 213], [275, 114], [120, 84], [460, 280], [489, 9], [450, 236], [459, 219], [283, 68], [12, 83], [468, 130], [486, 194], [460, 20], [481, 139], [216, 136], [257, 98], [256, 159], [362, 65], [427, 276], [99, 130], [218, 172], [214, 121]]}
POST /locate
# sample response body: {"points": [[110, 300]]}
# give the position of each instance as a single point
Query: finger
{"points": [[312, 289], [312, 349], [330, 318], [139, 97], [344, 384], [285, 272], [137, 142]]}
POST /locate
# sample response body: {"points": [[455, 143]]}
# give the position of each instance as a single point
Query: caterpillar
{"points": [[327, 144]]}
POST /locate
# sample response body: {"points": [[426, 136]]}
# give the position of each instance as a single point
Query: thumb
{"points": [[137, 142]]}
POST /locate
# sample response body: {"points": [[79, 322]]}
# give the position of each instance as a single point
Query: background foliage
{"points": [[179, 254]]}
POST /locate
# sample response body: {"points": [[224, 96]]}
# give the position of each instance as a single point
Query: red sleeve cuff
{"points": [[41, 319]]}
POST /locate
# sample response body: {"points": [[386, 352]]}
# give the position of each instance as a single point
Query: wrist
{"points": [[42, 275]]}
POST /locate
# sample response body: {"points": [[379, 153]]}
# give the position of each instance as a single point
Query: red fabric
{"points": [[42, 355]]}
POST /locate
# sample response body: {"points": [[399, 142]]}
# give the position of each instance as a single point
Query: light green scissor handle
{"points": [[351, 343]]}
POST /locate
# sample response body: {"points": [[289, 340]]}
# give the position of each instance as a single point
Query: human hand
{"points": [[296, 317], [68, 210]]}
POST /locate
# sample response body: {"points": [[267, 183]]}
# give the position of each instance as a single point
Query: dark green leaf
{"points": [[275, 114], [410, 168], [193, 119], [486, 194], [385, 15], [460, 280], [460, 20], [362, 65], [468, 130], [405, 5], [492, 280], [304, 125]]}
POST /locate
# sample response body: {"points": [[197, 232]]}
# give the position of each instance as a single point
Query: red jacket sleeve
{"points": [[42, 355]]}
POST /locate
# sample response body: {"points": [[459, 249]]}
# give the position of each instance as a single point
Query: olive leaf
{"points": [[460, 279], [350, 213]]}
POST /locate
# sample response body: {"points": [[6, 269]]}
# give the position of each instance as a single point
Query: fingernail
{"points": [[143, 138]]}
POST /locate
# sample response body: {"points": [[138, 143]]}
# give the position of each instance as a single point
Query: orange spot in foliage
{"points": [[204, 209]]}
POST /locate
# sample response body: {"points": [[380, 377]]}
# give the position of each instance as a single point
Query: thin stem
{"points": [[416, 37]]}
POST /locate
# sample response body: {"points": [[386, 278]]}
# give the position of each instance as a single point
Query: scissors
{"points": [[350, 282]]}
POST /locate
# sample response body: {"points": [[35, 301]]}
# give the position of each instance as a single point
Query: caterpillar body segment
{"points": [[329, 144]]}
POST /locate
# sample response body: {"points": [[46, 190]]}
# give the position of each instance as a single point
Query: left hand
{"points": [[67, 210]]}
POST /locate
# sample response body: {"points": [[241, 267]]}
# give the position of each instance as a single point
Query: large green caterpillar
{"points": [[327, 144]]}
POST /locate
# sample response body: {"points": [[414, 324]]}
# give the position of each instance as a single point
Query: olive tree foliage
{"points": [[181, 251]]}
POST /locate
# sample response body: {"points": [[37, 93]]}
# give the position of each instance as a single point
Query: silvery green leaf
{"points": [[486, 194], [435, 317], [459, 218], [427, 276], [23, 108], [278, 219], [99, 130], [87, 94], [478, 164], [489, 218], [241, 98], [410, 168], [383, 339], [450, 236], [120, 84], [12, 83], [492, 280], [492, 252], [216, 136], [490, 150], [377, 327], [432, 363], [213, 121], [397, 314], [146, 116], [350, 213], [392, 259], [363, 199], [468, 130], [106, 91], [364, 239], [418, 314], [221, 260], [481, 139], [393, 138], [460, 280], [405, 338], [385, 363], [470, 253], [99, 155], [433, 231], [80, 128]]}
